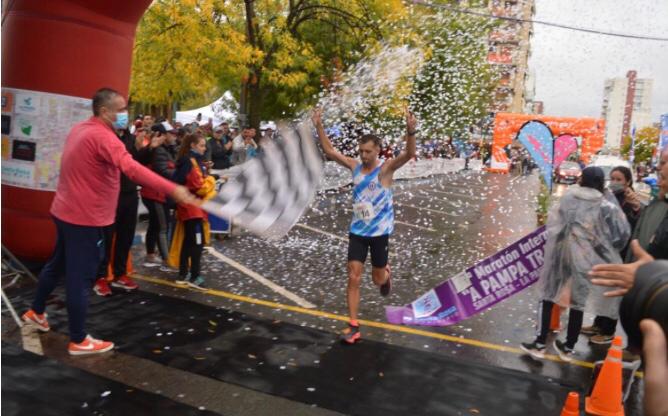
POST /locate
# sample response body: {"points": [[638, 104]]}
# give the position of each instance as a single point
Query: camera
{"points": [[647, 299]]}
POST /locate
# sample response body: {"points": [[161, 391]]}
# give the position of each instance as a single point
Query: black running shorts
{"points": [[358, 247]]}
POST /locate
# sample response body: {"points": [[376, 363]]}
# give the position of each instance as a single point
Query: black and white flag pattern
{"points": [[274, 189]]}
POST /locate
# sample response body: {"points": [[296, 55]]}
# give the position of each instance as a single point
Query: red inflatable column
{"points": [[55, 55]]}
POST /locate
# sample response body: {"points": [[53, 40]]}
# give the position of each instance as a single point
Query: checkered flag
{"points": [[273, 190]]}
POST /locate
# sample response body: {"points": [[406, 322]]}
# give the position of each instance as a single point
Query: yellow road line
{"points": [[373, 324]]}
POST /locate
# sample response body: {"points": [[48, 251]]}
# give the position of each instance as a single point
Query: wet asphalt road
{"points": [[444, 224], [462, 218]]}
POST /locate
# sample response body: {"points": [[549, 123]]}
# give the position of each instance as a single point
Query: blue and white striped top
{"points": [[373, 213]]}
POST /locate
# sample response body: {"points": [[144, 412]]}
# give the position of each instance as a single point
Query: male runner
{"points": [[373, 214]]}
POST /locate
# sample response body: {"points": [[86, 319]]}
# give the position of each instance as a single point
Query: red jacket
{"points": [[90, 180], [192, 176]]}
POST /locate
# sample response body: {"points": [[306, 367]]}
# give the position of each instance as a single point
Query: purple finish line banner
{"points": [[477, 288]]}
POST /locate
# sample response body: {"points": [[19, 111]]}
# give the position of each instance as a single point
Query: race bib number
{"points": [[363, 211]]}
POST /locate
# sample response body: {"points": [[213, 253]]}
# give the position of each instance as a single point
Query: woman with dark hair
{"points": [[602, 331], [621, 185], [192, 228], [160, 161], [583, 230]]}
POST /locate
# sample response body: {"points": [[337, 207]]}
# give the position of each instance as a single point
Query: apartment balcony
{"points": [[505, 82], [499, 107], [504, 36], [503, 91], [506, 11], [500, 58]]}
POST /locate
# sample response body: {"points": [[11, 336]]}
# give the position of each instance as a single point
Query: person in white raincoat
{"points": [[585, 229]]}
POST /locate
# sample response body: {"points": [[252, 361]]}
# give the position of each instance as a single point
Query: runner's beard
{"points": [[369, 164]]}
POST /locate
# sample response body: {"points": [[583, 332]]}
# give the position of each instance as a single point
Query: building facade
{"points": [[626, 104], [509, 52]]}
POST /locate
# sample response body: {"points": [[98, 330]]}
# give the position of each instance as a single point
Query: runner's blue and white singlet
{"points": [[373, 213]]}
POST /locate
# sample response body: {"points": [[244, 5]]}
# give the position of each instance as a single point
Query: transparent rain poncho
{"points": [[584, 229]]}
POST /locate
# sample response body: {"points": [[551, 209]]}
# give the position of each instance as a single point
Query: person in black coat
{"points": [[219, 148], [125, 223]]}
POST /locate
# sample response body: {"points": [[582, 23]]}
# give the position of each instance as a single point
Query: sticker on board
{"points": [[6, 123], [23, 150], [7, 101]]}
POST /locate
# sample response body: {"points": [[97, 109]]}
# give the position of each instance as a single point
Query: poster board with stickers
{"points": [[34, 128]]}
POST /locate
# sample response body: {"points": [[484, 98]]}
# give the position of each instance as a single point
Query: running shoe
{"points": [[535, 349], [565, 352], [183, 280], [89, 346], [37, 320], [101, 287], [351, 334], [601, 339], [197, 283], [151, 260], [386, 287], [590, 330], [125, 282]]}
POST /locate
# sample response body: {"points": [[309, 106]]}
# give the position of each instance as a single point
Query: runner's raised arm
{"points": [[409, 152], [327, 146]]}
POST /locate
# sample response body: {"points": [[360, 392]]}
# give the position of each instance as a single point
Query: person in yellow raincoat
{"points": [[192, 227]]}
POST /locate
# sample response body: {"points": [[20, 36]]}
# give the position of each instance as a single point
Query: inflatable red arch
{"points": [[55, 55]]}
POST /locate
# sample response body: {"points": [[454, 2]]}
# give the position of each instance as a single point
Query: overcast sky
{"points": [[571, 67]]}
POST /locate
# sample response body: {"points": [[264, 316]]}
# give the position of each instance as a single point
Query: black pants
{"points": [[124, 228], [78, 253], [575, 318], [191, 251], [158, 225], [608, 326]]}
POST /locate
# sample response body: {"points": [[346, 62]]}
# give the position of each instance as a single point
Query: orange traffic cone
{"points": [[572, 405], [606, 398], [555, 319]]}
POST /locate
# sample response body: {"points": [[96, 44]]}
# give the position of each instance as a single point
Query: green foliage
{"points": [[646, 141], [543, 201], [453, 89], [280, 54]]}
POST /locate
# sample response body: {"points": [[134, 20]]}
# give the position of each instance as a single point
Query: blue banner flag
{"points": [[537, 138]]}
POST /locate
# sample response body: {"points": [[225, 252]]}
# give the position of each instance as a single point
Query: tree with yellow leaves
{"points": [[272, 54]]}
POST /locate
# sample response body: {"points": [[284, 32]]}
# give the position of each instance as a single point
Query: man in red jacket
{"points": [[85, 203]]}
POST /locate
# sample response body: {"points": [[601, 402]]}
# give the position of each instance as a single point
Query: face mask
{"points": [[121, 120], [616, 187]]}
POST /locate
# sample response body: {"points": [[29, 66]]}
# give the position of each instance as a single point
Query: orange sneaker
{"points": [[39, 321], [89, 345], [351, 334]]}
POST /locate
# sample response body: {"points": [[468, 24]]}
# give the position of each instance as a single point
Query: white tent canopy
{"points": [[223, 109]]}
